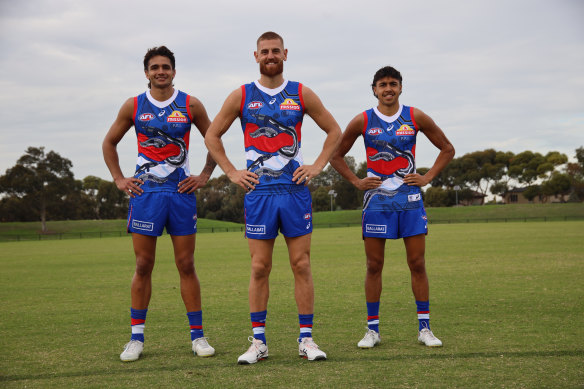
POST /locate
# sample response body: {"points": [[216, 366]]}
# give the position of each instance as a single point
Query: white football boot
{"points": [[309, 350], [258, 351], [132, 351], [370, 340], [202, 348], [425, 336]]}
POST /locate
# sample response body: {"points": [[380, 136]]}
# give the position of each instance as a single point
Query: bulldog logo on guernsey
{"points": [[290, 104], [146, 117], [375, 131], [176, 117], [405, 130], [255, 105]]}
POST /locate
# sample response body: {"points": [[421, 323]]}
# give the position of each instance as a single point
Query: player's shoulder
{"points": [[416, 113], [192, 99], [357, 123], [128, 106]]}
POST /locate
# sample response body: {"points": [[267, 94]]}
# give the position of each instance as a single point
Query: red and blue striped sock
{"points": [[423, 314], [196, 323], [138, 317], [373, 316], [305, 326], [258, 323]]}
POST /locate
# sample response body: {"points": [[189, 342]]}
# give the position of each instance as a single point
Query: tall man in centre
{"points": [[271, 110]]}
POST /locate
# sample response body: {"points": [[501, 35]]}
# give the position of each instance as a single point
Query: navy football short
{"points": [[151, 212], [395, 224], [287, 208]]}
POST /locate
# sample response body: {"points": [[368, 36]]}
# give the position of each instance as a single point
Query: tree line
{"points": [[41, 186]]}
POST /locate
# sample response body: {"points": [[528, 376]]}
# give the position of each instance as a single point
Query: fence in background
{"points": [[109, 234]]}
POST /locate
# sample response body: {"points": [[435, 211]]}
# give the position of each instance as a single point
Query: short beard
{"points": [[273, 72]]}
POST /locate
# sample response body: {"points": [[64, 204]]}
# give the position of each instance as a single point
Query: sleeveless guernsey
{"points": [[390, 144], [163, 130], [271, 120]]}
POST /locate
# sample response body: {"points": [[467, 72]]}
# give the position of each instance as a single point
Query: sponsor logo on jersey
{"points": [[255, 105], [414, 197], [177, 117], [405, 130], [306, 216], [145, 117], [272, 101], [290, 104], [375, 228], [140, 225], [375, 131], [255, 229]]}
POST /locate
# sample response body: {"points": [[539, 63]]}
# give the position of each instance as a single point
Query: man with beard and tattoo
{"points": [[161, 191], [271, 110], [392, 206]]}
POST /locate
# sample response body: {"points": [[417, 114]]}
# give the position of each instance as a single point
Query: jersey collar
{"points": [[271, 92], [389, 119], [161, 104]]}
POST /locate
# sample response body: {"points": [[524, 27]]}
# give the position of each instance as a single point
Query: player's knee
{"points": [[185, 265], [260, 269], [417, 264], [374, 265], [301, 266], [144, 265]]}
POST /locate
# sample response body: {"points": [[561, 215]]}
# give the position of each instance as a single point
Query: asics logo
{"points": [[161, 113], [389, 128], [272, 101]]}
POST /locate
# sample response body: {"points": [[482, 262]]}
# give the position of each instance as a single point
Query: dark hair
{"points": [[161, 50], [268, 35], [386, 71]]}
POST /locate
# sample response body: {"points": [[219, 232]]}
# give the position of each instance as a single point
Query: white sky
{"points": [[500, 74]]}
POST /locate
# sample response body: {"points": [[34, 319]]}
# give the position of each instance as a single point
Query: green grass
{"points": [[510, 211], [571, 211], [90, 228], [506, 300]]}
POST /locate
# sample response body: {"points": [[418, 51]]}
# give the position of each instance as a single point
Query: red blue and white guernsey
{"points": [[390, 144], [162, 129], [271, 120]]}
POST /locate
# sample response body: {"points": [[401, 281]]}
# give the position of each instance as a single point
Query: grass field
{"points": [[75, 229], [510, 212], [507, 300], [100, 228]]}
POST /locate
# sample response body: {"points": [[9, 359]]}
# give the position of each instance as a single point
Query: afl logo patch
{"points": [[307, 216], [145, 117], [255, 105], [375, 131]]}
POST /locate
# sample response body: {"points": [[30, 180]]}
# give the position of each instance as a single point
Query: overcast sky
{"points": [[500, 74]]}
